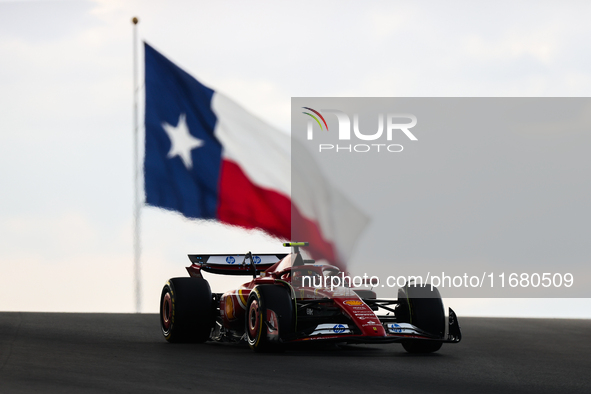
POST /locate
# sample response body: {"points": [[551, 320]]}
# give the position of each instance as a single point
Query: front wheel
{"points": [[422, 307], [269, 318]]}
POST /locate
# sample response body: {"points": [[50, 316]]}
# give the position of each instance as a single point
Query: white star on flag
{"points": [[181, 141]]}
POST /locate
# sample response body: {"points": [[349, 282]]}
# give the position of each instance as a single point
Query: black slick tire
{"points": [[186, 310], [422, 307], [269, 318]]}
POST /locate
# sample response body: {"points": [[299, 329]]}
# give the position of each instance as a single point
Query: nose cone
{"points": [[362, 315]]}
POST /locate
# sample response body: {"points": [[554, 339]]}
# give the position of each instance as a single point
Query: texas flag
{"points": [[206, 157]]}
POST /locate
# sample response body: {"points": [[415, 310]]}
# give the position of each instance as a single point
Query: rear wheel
{"points": [[186, 310], [422, 307], [270, 318]]}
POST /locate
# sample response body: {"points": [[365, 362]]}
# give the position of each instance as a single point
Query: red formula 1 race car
{"points": [[290, 300]]}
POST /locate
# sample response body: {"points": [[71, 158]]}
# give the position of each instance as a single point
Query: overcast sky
{"points": [[66, 126]]}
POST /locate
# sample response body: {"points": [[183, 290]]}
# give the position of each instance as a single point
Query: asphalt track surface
{"points": [[119, 353]]}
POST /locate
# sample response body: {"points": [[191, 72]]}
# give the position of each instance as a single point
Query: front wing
{"points": [[395, 331]]}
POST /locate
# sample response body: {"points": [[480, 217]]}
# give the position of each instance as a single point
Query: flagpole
{"points": [[136, 179]]}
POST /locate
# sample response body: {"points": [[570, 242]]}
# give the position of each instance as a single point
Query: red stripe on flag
{"points": [[242, 203], [304, 229]]}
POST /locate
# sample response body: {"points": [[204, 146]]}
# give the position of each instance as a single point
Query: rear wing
{"points": [[235, 264]]}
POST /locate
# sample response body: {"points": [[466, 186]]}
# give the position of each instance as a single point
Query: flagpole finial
{"points": [[135, 20]]}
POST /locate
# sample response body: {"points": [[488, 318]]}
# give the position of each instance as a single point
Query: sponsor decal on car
{"points": [[331, 329], [371, 323], [338, 328], [230, 260], [401, 328], [353, 302]]}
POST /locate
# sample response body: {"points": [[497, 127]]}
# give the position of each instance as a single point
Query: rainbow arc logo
{"points": [[315, 118]]}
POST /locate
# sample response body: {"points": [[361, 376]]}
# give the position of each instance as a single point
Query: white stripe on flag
{"points": [[263, 152]]}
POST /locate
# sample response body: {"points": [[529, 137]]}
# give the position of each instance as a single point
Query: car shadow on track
{"points": [[323, 350]]}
